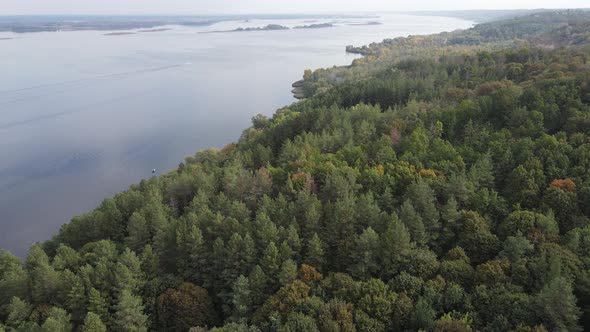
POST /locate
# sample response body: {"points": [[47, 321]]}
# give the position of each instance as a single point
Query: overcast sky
{"points": [[35, 7]]}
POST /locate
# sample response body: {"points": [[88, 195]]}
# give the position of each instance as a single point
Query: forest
{"points": [[446, 191]]}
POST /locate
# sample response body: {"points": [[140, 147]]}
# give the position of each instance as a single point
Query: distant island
{"points": [[270, 27], [119, 33], [6, 38], [315, 26], [367, 23], [155, 30]]}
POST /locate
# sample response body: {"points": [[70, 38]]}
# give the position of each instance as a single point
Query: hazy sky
{"points": [[11, 7]]}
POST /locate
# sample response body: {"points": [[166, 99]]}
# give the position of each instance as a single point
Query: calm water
{"points": [[84, 115]]}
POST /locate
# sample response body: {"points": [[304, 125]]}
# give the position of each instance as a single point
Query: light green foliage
{"points": [[92, 323], [58, 320], [129, 316]]}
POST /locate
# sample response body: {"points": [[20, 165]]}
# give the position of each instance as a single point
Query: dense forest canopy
{"points": [[446, 191]]}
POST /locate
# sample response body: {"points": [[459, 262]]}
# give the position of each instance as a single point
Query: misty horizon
{"points": [[291, 14], [264, 7]]}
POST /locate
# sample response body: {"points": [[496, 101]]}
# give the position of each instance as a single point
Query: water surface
{"points": [[83, 115]]}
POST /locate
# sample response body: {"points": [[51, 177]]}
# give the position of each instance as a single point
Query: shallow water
{"points": [[84, 115]]}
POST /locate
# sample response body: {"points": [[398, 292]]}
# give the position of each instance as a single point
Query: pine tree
{"points": [[249, 254], [413, 222], [127, 272], [315, 255], [65, 258], [365, 255], [265, 231], [288, 272], [58, 320], [482, 172], [139, 232], [258, 285], [241, 300], [556, 305], [191, 250], [129, 316], [92, 323], [423, 199], [98, 305], [18, 312], [450, 214], [44, 279], [75, 295], [395, 246], [293, 240]]}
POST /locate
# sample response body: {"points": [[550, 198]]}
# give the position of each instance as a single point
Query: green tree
{"points": [[270, 261], [365, 255], [298, 322], [557, 308], [58, 320], [241, 299], [423, 199], [43, 278], [18, 312], [288, 272], [129, 316], [413, 222], [65, 258], [92, 323], [395, 246], [98, 305], [515, 247], [423, 316], [315, 254]]}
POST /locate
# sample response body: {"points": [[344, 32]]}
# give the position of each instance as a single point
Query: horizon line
{"points": [[294, 14]]}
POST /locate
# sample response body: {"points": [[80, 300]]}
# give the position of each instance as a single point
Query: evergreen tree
{"points": [[129, 316], [18, 312], [92, 323], [58, 320], [365, 255], [242, 301], [423, 200], [413, 222], [259, 283], [395, 246], [557, 308], [288, 272], [315, 252], [98, 305], [270, 261], [43, 278]]}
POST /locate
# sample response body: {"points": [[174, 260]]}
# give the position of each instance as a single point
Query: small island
{"points": [[6, 38], [155, 30], [119, 33], [315, 26], [366, 23], [270, 27]]}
